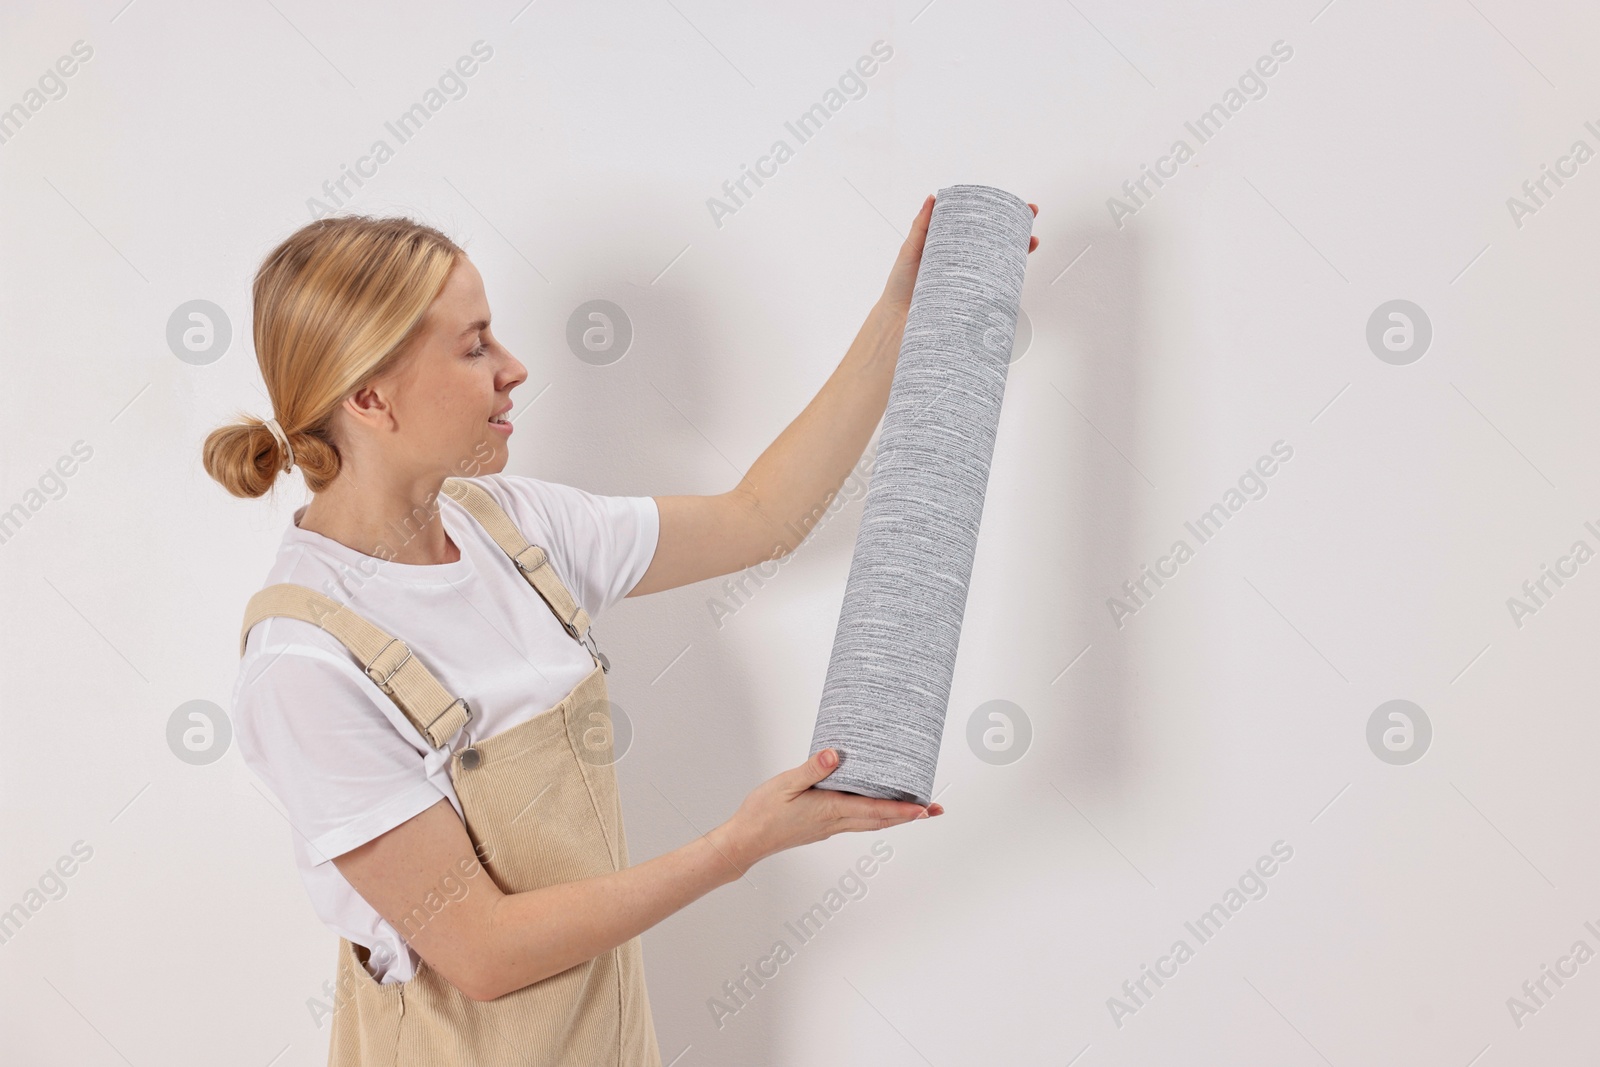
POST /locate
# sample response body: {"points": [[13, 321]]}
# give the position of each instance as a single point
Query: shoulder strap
{"points": [[387, 660], [531, 560]]}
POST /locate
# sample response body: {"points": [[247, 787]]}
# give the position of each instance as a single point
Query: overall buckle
{"points": [[544, 558], [383, 683], [586, 639]]}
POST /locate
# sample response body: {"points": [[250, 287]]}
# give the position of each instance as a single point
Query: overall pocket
{"points": [[538, 813], [367, 1013]]}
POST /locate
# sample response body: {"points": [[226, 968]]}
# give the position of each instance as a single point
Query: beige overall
{"points": [[541, 807]]}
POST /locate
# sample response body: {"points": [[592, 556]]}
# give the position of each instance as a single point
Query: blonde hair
{"points": [[335, 306]]}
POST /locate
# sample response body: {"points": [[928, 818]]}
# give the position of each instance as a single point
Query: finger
{"points": [[1035, 208], [857, 807], [919, 226], [1033, 242], [819, 766], [923, 212], [858, 825]]}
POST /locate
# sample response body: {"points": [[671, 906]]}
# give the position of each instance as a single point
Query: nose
{"points": [[515, 372]]}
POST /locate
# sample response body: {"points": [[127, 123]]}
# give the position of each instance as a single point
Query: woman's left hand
{"points": [[897, 291]]}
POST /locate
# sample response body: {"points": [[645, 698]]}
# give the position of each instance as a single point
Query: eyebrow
{"points": [[474, 327]]}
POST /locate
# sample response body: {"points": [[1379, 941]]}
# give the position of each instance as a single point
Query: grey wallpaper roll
{"points": [[888, 683]]}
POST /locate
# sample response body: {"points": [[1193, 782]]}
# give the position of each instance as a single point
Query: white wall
{"points": [[1168, 354]]}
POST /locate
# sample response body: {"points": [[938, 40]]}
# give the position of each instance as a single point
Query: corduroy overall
{"points": [[541, 807]]}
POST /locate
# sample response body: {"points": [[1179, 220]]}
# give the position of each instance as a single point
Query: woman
{"points": [[437, 730]]}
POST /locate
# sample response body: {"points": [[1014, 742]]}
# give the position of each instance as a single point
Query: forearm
{"points": [[793, 481], [533, 935]]}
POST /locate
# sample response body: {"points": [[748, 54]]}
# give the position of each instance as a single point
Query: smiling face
{"points": [[446, 406]]}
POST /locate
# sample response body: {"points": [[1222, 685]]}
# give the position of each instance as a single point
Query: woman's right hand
{"points": [[785, 811]]}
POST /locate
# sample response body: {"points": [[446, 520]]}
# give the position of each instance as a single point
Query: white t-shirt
{"points": [[338, 753]]}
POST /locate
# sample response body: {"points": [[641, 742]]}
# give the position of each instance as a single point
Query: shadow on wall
{"points": [[689, 718], [1091, 496]]}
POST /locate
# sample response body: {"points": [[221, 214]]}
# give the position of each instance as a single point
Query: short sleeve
{"points": [[600, 545], [309, 724]]}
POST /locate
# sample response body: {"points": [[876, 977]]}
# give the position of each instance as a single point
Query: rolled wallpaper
{"points": [[888, 683]]}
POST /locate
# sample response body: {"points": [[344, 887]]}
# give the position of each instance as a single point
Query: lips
{"points": [[501, 421]]}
